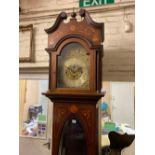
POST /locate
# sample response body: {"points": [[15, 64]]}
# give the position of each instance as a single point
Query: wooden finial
{"points": [[73, 14], [82, 12]]}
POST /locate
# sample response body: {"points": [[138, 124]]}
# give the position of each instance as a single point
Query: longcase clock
{"points": [[75, 53]]}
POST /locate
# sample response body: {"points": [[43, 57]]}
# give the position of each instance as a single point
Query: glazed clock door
{"points": [[73, 67]]}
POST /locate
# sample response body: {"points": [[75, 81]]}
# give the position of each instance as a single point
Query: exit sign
{"points": [[88, 3]]}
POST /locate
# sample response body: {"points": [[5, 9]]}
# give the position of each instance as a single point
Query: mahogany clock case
{"points": [[74, 108]]}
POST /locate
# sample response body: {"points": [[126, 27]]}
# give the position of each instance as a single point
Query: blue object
{"points": [[104, 106]]}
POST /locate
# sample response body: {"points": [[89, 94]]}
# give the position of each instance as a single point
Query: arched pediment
{"points": [[86, 28]]}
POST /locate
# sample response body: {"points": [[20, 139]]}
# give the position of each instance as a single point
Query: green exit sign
{"points": [[88, 3]]}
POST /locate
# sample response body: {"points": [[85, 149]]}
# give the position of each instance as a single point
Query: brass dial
{"points": [[74, 67]]}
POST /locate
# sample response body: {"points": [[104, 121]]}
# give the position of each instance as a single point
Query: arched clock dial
{"points": [[73, 67]]}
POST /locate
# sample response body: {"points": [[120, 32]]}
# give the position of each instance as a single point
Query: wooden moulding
{"points": [[78, 98]]}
